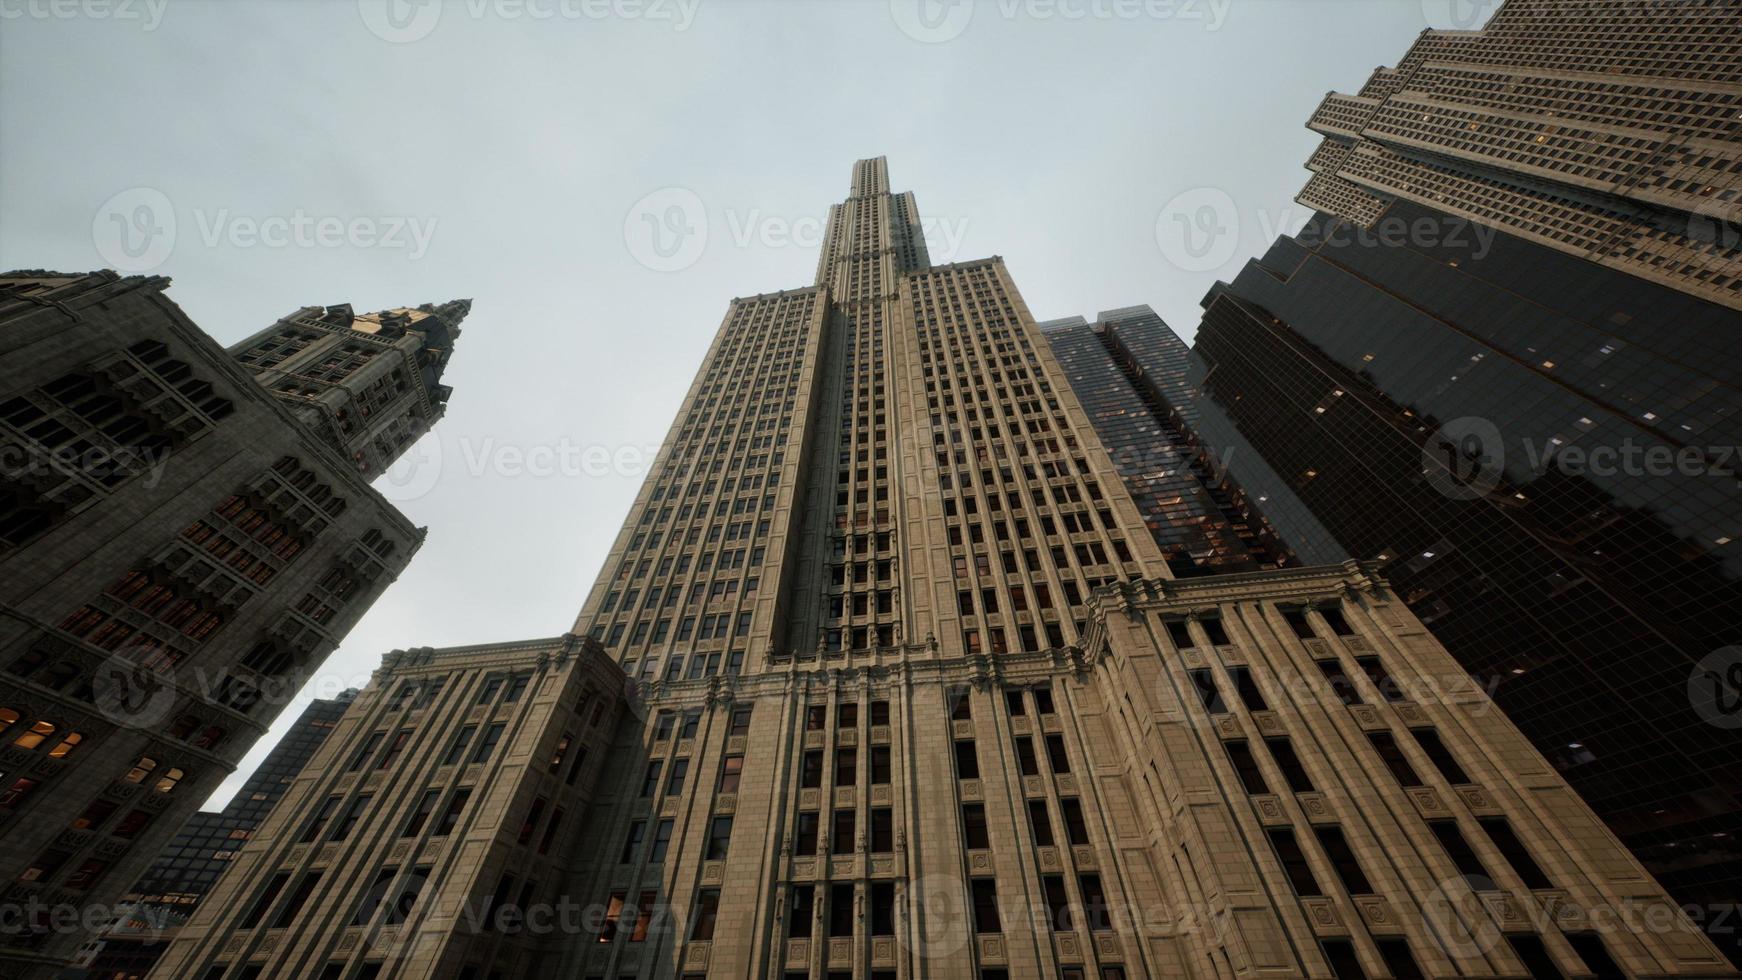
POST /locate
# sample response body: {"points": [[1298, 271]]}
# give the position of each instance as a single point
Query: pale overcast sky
{"points": [[271, 155]]}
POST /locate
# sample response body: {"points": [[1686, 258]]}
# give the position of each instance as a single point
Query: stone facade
{"points": [[906, 690], [176, 551]]}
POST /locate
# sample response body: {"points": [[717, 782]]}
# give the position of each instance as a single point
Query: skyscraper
{"points": [[1128, 370], [903, 687], [178, 547], [1501, 361]]}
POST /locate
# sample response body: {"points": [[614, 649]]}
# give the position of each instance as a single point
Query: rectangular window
{"points": [[967, 763], [366, 751], [1205, 682], [342, 829], [1282, 750], [1058, 904], [632, 842], [731, 772], [487, 744], [1537, 960], [318, 819], [1343, 860], [707, 913], [304, 889], [1591, 949], [644, 907], [1516, 854], [811, 771], [1076, 828], [974, 835], [267, 896], [985, 900], [1401, 962], [1442, 757], [882, 909], [1247, 687], [882, 830], [1341, 685], [719, 839], [675, 777], [1056, 756], [1026, 760], [650, 780], [1040, 823], [451, 816], [1294, 862], [803, 913], [846, 767], [1095, 909], [1246, 766], [1386, 745], [395, 748], [457, 750], [1462, 854], [1345, 965], [880, 765], [805, 839], [1388, 687], [841, 911], [661, 842], [842, 841]]}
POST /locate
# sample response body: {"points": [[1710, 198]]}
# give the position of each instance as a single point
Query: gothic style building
{"points": [[886, 677], [177, 548]]}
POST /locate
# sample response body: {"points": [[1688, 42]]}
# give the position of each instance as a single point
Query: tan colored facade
{"points": [[914, 697], [1606, 129]]}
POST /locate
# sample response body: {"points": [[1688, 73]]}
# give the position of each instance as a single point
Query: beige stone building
{"points": [[902, 689], [177, 550]]}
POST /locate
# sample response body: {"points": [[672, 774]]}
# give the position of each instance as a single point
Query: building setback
{"points": [[902, 686], [177, 550], [1501, 361]]}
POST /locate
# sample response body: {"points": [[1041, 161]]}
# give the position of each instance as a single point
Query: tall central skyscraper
{"points": [[885, 677]]}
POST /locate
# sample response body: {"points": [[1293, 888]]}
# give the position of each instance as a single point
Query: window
{"points": [[632, 842], [1462, 854], [1056, 756], [731, 771], [530, 824], [487, 744], [1345, 965], [967, 763], [805, 839], [650, 780], [846, 715], [1537, 961], [1043, 700], [1247, 688], [304, 889], [840, 911], [811, 770], [719, 839], [740, 720], [846, 767], [960, 705], [1442, 757], [1386, 745], [816, 718], [1297, 621], [1401, 962], [1096, 911], [1343, 860], [1058, 905], [643, 912], [985, 900], [1039, 823], [882, 830], [707, 913], [1013, 703], [1388, 687], [841, 841], [1334, 619], [318, 819], [420, 815], [1341, 685], [1246, 766], [1205, 682], [1076, 828], [1513, 849], [803, 912], [457, 750], [353, 813], [974, 835], [674, 779], [451, 816], [1282, 750], [395, 748], [96, 813], [880, 767], [560, 752], [492, 686], [35, 735], [1294, 862], [1212, 626], [1591, 949], [661, 841], [879, 713], [613, 916], [170, 779], [366, 751], [882, 909], [267, 896], [1026, 760]]}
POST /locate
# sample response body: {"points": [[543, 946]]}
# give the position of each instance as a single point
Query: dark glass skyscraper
{"points": [[1128, 369]]}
